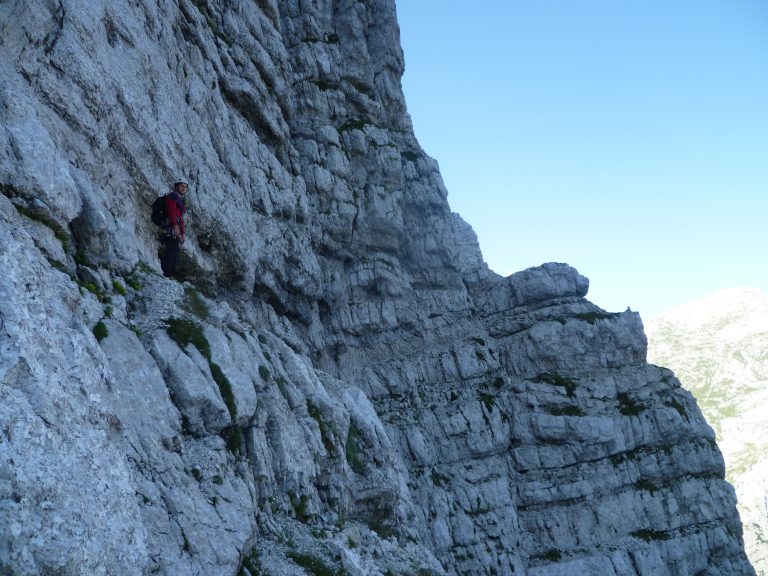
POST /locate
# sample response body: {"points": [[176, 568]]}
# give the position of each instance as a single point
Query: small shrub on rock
{"points": [[100, 331]]}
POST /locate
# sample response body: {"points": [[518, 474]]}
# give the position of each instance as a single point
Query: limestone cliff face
{"points": [[340, 379]]}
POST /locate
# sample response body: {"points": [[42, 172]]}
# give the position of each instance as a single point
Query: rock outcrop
{"points": [[717, 345], [337, 382]]}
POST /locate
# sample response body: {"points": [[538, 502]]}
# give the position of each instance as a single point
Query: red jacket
{"points": [[175, 206]]}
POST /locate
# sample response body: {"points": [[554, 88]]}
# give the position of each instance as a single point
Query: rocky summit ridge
{"points": [[337, 383]]}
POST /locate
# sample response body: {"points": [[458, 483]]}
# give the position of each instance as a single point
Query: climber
{"points": [[173, 225]]}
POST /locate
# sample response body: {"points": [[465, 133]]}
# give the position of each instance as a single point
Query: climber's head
{"points": [[181, 187]]}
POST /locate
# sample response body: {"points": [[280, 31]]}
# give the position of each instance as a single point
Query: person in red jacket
{"points": [[175, 206]]}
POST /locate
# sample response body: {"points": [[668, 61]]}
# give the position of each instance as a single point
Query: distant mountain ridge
{"points": [[718, 348]]}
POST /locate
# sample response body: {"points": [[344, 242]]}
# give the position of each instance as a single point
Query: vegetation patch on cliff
{"points": [[251, 565], [557, 380], [352, 450], [650, 535], [185, 332], [565, 411], [100, 331], [194, 303], [327, 434], [58, 231], [628, 406], [314, 565], [594, 317]]}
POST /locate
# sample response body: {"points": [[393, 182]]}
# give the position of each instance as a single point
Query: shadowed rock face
{"points": [[340, 375]]}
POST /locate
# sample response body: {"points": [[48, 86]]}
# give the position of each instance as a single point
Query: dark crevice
{"points": [[249, 110], [53, 37]]}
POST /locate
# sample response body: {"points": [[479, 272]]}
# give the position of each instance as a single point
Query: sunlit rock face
{"points": [[718, 348], [335, 378]]}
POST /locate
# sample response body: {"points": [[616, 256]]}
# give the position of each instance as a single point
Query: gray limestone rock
{"points": [[67, 501]]}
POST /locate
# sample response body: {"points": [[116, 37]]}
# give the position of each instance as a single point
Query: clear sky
{"points": [[628, 138]]}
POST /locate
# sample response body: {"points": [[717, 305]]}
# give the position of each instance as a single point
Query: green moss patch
{"points": [[674, 403], [557, 380], [565, 411], [59, 232], [225, 388], [646, 485], [185, 332], [594, 317], [95, 290], [326, 429], [251, 565], [314, 565], [628, 406], [133, 282], [100, 331], [352, 450], [440, 479], [649, 535], [489, 400], [233, 438], [282, 386], [194, 303], [354, 124], [552, 555], [301, 507]]}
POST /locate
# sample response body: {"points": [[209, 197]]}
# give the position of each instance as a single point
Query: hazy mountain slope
{"points": [[718, 347]]}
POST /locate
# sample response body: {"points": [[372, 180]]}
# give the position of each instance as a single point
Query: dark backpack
{"points": [[158, 210]]}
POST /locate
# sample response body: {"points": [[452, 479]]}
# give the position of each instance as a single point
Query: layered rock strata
{"points": [[339, 381]]}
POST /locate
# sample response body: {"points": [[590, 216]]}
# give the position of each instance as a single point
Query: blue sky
{"points": [[626, 138]]}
